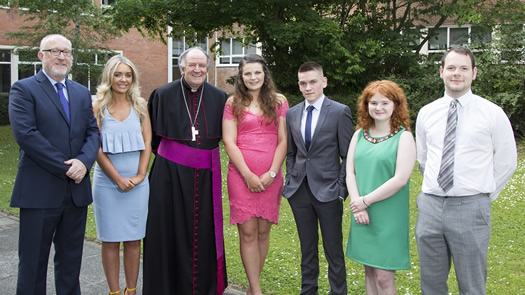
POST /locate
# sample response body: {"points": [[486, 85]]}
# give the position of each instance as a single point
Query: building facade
{"points": [[157, 61]]}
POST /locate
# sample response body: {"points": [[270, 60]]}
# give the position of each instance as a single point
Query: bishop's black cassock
{"points": [[183, 248]]}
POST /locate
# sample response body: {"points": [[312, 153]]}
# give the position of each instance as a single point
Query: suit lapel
{"points": [[325, 109], [297, 124], [49, 89], [73, 106]]}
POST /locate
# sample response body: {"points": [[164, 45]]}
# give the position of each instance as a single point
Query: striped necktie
{"points": [[446, 171]]}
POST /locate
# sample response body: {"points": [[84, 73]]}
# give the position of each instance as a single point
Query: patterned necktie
{"points": [[63, 99], [308, 127], [446, 171]]}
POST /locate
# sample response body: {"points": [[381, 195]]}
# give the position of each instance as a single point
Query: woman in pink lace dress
{"points": [[254, 134]]}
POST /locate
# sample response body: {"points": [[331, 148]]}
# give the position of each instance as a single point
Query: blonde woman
{"points": [[120, 186]]}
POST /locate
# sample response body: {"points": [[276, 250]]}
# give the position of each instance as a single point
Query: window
{"points": [[232, 51], [89, 68], [5, 70], [178, 46], [24, 63], [108, 2], [447, 37], [480, 35], [28, 63]]}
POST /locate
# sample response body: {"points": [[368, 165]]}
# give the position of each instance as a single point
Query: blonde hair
{"points": [[104, 93]]}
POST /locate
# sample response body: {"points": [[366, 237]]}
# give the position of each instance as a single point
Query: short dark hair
{"points": [[311, 66], [461, 50]]}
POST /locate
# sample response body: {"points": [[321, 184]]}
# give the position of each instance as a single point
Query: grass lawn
{"points": [[281, 274]]}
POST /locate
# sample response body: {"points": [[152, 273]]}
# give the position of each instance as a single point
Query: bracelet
{"points": [[363, 198]]}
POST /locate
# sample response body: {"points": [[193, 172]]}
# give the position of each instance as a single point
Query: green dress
{"points": [[384, 242]]}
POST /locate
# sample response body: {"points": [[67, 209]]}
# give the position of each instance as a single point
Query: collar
{"points": [[462, 100], [53, 81], [188, 87], [317, 104]]}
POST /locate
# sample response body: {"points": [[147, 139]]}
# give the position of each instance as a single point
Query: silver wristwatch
{"points": [[272, 174]]}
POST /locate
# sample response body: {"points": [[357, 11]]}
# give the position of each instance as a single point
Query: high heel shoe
{"points": [[129, 289], [114, 292]]}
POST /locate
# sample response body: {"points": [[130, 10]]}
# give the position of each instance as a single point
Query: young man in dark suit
{"points": [[53, 123], [319, 132]]}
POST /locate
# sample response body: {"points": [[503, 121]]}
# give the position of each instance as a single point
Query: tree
{"points": [[81, 21], [355, 40]]}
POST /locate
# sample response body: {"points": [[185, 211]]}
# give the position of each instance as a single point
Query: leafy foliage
{"points": [[4, 116], [356, 41], [81, 21]]}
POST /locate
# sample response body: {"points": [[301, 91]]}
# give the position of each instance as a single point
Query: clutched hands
{"points": [[254, 183], [266, 179], [358, 205], [77, 171], [361, 217], [128, 183]]}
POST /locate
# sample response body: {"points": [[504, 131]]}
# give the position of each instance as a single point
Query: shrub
{"points": [[4, 114]]}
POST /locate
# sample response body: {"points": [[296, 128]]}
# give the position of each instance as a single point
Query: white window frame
{"points": [[10, 63], [449, 28], [105, 3], [231, 56], [15, 62], [173, 61]]}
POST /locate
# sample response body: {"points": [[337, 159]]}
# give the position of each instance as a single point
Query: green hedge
{"points": [[4, 102], [502, 84]]}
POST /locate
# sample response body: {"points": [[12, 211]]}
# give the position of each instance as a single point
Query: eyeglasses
{"points": [[56, 52]]}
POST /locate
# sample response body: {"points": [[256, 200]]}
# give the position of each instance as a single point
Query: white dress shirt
{"points": [[315, 115], [53, 82], [485, 153]]}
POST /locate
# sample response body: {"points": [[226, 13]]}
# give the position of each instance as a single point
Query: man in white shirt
{"points": [[466, 153]]}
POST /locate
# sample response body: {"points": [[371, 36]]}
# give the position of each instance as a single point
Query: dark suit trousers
{"points": [[65, 227], [309, 213]]}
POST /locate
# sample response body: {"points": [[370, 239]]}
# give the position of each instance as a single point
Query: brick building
{"points": [[155, 61]]}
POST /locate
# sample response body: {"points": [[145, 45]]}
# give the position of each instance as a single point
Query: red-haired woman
{"points": [[380, 160]]}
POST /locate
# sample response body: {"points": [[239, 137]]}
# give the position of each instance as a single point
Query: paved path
{"points": [[92, 278]]}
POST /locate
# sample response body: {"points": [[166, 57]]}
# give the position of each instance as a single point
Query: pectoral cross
{"points": [[194, 133]]}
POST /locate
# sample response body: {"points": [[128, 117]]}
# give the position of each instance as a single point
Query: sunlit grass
{"points": [[282, 275]]}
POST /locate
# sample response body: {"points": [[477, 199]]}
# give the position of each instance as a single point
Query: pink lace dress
{"points": [[257, 142]]}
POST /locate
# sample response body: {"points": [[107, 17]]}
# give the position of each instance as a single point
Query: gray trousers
{"points": [[456, 228], [309, 215]]}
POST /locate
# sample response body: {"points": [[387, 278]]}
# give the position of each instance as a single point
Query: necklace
{"points": [[381, 139], [194, 132]]}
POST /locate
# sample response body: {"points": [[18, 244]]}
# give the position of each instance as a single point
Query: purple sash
{"points": [[202, 159]]}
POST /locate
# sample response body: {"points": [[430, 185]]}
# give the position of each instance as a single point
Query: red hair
{"points": [[392, 91]]}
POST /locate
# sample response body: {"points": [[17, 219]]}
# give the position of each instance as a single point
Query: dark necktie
{"points": [[308, 127], [446, 171], [63, 99]]}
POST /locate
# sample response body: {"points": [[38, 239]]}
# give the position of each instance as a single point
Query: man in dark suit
{"points": [[59, 140], [319, 132]]}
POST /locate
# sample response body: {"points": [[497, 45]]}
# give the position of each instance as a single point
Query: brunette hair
{"points": [[460, 50], [311, 66], [268, 94], [392, 91]]}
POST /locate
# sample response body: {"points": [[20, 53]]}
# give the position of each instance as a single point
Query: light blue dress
{"points": [[120, 216]]}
